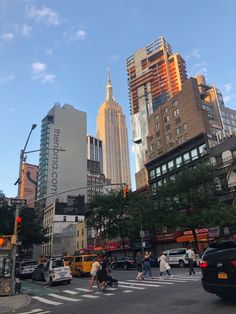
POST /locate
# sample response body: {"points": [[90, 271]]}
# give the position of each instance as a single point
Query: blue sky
{"points": [[58, 51]]}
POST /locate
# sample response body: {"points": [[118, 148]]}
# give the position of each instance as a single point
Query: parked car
{"points": [[177, 257], [125, 262], [38, 273], [218, 265], [82, 264], [56, 271], [25, 269]]}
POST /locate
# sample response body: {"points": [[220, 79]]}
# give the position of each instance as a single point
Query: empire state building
{"points": [[112, 130]]}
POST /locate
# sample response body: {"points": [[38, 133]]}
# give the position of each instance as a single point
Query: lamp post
{"points": [[13, 251]]}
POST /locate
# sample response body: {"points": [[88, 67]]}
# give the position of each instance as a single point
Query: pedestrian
{"points": [[94, 270], [164, 266], [139, 266], [147, 265], [190, 256], [103, 273]]}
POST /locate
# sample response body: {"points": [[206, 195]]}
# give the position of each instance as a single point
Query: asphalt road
{"points": [[181, 294]]}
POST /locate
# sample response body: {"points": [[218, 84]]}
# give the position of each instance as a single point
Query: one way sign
{"points": [[18, 201]]}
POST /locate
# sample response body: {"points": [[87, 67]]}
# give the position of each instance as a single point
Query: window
{"points": [[165, 110], [152, 174], [170, 165], [158, 133], [202, 149], [178, 161], [166, 119], [158, 143], [179, 130], [163, 168], [157, 118], [151, 147], [167, 127], [194, 154], [159, 183], [185, 126], [177, 120], [168, 136], [158, 171], [176, 112], [175, 103], [157, 126], [186, 157]]}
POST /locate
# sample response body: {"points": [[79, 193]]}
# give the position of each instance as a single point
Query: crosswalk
{"points": [[126, 286]]}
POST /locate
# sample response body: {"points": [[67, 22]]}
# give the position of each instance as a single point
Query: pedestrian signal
{"points": [[3, 241]]}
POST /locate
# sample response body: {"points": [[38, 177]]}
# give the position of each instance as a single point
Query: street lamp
{"points": [[13, 251]]}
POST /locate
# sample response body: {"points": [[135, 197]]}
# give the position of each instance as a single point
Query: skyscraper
{"points": [[62, 128], [112, 130], [154, 75]]}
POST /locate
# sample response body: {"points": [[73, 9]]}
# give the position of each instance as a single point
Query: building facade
{"points": [[29, 177], [63, 154], [94, 150], [154, 75], [112, 131]]}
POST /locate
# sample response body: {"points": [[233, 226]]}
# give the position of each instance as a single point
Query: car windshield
{"points": [[29, 263], [68, 258], [57, 263]]}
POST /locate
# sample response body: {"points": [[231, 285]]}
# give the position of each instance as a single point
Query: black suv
{"points": [[218, 265], [125, 262]]}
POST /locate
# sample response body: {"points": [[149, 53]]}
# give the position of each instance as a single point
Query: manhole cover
{"points": [[185, 302]]}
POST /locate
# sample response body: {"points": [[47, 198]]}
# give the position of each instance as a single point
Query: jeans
{"points": [[147, 268], [191, 269]]}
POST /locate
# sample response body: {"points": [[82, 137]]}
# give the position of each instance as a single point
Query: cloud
{"points": [[7, 37], [49, 51], [48, 78], [38, 68], [39, 72], [194, 54], [75, 35], [6, 78], [227, 87], [202, 71], [24, 29], [43, 14]]}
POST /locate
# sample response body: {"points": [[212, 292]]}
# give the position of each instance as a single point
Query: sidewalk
{"points": [[8, 304]]}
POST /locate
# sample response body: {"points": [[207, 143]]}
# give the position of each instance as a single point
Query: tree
{"points": [[192, 199]]}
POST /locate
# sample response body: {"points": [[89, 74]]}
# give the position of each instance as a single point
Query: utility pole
{"points": [[18, 207]]}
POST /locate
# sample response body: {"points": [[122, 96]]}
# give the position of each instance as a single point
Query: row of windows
{"points": [[228, 115], [178, 161]]}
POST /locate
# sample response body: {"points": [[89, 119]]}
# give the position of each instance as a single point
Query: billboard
{"points": [[74, 206]]}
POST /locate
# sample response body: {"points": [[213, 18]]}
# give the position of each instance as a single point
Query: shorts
{"points": [[93, 273]]}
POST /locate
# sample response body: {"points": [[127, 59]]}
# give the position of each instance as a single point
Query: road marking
{"points": [[70, 292], [139, 284], [127, 291], [169, 280], [46, 301], [131, 287], [44, 312], [82, 289], [109, 294], [160, 281], [89, 296], [57, 296], [32, 311]]}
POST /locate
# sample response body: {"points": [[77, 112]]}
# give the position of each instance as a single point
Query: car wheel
{"points": [[50, 283], [125, 267], [68, 282], [181, 264]]}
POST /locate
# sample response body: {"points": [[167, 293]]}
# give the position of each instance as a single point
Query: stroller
{"points": [[112, 282], [106, 280]]}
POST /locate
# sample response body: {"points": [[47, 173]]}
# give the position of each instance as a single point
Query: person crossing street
{"points": [[191, 257]]}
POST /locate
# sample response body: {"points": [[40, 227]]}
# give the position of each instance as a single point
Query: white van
{"points": [[177, 257], [56, 271]]}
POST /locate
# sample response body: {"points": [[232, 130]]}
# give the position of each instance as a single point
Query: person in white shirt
{"points": [[190, 257], [95, 268]]}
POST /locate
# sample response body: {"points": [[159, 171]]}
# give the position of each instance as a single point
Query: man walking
{"points": [[191, 257]]}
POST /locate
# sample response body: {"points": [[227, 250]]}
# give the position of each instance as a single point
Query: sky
{"points": [[58, 51]]}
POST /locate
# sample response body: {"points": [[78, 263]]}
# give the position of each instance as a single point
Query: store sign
{"points": [[214, 232], [168, 236], [198, 231]]}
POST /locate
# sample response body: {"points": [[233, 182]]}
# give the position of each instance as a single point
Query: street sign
{"points": [[142, 234], [18, 201]]}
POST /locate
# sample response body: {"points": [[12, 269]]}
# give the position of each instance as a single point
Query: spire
{"points": [[109, 85]]}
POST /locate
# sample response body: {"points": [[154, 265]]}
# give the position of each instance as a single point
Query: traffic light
{"points": [[125, 191], [18, 224]]}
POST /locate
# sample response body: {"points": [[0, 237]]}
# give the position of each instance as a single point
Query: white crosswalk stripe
{"points": [[127, 291], [70, 292], [58, 296], [46, 301], [131, 287], [38, 311], [153, 281], [83, 289], [89, 296], [139, 284]]}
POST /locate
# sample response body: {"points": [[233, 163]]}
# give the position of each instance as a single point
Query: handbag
{"points": [[167, 266]]}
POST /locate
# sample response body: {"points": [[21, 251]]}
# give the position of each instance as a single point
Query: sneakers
{"points": [[171, 276], [161, 278]]}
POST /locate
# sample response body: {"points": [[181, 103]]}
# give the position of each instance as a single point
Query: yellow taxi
{"points": [[68, 260], [82, 264]]}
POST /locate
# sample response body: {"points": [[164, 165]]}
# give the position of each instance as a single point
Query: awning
{"points": [[190, 238]]}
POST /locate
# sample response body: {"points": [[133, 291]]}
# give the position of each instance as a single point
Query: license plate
{"points": [[222, 276]]}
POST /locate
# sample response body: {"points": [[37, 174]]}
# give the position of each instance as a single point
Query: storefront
{"points": [[202, 237]]}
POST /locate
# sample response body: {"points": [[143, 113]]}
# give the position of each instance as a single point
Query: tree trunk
{"points": [[195, 239]]}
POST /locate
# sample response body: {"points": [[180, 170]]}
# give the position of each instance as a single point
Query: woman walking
{"points": [[95, 268], [147, 265], [139, 266], [164, 266]]}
